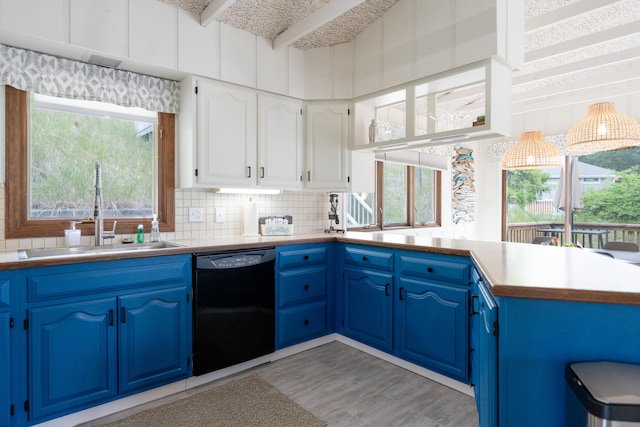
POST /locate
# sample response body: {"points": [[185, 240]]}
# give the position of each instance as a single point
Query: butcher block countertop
{"points": [[509, 269]]}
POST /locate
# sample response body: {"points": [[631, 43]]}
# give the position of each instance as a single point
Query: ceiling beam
{"points": [[215, 9], [630, 29], [314, 21], [565, 13]]}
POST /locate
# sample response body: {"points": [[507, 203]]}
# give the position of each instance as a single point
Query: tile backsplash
{"points": [[309, 211]]}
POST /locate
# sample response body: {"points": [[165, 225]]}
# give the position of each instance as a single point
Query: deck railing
{"points": [[525, 232]]}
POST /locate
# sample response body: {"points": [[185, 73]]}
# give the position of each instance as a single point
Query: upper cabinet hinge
{"points": [[301, 111], [196, 90], [348, 111], [496, 329], [196, 172], [348, 179]]}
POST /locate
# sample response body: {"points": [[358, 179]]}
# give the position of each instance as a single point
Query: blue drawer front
{"points": [[301, 285], [302, 257], [301, 323], [368, 258], [434, 269]]}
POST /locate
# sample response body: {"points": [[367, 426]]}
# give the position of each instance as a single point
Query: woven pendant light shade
{"points": [[532, 152], [603, 129]]}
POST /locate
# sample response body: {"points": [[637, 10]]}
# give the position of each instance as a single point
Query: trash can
{"points": [[602, 394]]}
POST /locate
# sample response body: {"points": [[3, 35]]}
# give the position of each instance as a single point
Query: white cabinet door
{"points": [[46, 19], [226, 135], [279, 142], [327, 159]]}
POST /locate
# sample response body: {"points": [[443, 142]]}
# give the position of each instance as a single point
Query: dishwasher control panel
{"points": [[237, 261]]}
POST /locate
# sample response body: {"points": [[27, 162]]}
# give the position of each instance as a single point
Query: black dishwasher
{"points": [[234, 308]]}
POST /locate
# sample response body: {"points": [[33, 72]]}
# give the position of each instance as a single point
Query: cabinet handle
{"points": [[123, 315], [400, 293], [306, 322], [429, 269], [306, 287], [386, 290], [364, 258], [306, 257], [262, 172], [308, 176], [110, 317], [248, 171]]}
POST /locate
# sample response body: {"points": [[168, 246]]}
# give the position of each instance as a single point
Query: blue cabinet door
{"points": [[72, 356], [433, 326], [154, 338], [369, 307], [5, 384], [484, 364]]}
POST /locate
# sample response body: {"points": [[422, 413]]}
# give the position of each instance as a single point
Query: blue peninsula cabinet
{"points": [[101, 331]]}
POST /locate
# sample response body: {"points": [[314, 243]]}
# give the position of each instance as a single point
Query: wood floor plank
{"points": [[349, 388]]}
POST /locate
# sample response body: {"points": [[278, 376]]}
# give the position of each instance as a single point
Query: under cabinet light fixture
{"points": [[248, 191]]}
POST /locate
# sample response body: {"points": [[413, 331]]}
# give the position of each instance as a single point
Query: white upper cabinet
{"points": [[280, 142], [101, 26], [238, 56], [327, 146], [198, 46], [231, 136], [44, 19], [153, 33]]}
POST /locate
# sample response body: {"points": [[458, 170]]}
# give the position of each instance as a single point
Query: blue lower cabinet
{"points": [[433, 326], [152, 338], [301, 323], [5, 370], [72, 356], [368, 304]]}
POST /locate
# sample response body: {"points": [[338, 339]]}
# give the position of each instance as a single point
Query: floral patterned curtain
{"points": [[65, 78]]}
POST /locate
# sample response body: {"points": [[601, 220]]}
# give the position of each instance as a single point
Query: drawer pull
{"points": [[306, 322], [306, 257], [429, 269], [306, 287], [386, 290], [364, 258]]}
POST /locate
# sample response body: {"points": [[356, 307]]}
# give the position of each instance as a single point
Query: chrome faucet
{"points": [[98, 218]]}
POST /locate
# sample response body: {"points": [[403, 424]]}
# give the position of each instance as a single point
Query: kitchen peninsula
{"points": [[556, 305]]}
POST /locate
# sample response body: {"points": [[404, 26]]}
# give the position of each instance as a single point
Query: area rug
{"points": [[245, 402]]}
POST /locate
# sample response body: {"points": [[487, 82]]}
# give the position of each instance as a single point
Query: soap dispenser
{"points": [[72, 236], [140, 237], [155, 229]]}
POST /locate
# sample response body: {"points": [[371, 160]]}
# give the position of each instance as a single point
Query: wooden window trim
{"points": [[17, 222], [410, 201]]}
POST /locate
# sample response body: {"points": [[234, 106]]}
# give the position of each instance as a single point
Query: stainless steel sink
{"points": [[93, 250]]}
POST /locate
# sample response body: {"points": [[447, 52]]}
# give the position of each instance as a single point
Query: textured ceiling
{"points": [[570, 45]]}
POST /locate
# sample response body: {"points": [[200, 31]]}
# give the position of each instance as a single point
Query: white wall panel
{"points": [[272, 67], [398, 44], [101, 26], [367, 76], [434, 37], [237, 56], [47, 19], [296, 73], [198, 46], [153, 33], [318, 79], [343, 71]]}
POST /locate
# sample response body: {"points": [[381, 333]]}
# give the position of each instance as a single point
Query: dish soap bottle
{"points": [[155, 229], [140, 237]]}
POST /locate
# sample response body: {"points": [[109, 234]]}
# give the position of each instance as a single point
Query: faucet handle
{"points": [[110, 234]]}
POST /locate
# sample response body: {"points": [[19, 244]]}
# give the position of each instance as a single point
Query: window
{"points": [[51, 178], [406, 196]]}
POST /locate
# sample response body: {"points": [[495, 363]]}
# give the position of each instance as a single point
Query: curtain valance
{"points": [[66, 78]]}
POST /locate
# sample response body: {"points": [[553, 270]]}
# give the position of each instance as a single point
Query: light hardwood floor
{"points": [[349, 388]]}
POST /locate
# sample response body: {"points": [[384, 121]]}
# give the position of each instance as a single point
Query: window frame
{"points": [[17, 222], [379, 204]]}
